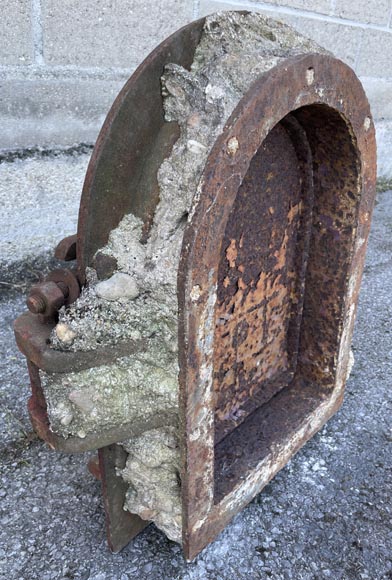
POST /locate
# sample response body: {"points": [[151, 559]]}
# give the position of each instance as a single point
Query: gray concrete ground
{"points": [[328, 514]]}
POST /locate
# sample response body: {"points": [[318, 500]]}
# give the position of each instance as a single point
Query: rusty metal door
{"points": [[269, 280]]}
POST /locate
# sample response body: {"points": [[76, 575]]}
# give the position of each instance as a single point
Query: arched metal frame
{"points": [[347, 180]]}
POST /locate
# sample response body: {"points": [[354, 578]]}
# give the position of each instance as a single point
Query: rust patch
{"points": [[260, 279]]}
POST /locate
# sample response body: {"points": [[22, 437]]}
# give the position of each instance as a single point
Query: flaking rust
{"points": [[220, 246]]}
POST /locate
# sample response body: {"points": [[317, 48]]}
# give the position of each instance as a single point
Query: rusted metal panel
{"points": [[261, 278], [133, 142], [333, 111], [121, 526]]}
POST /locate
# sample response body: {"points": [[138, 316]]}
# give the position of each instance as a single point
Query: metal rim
{"points": [[276, 94]]}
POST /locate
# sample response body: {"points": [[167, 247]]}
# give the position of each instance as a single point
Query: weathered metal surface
{"points": [[45, 299], [268, 282], [133, 142], [328, 102], [93, 467], [66, 249], [61, 287], [68, 282], [261, 278]]}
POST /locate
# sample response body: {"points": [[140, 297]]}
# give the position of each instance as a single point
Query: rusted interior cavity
{"points": [[282, 280], [261, 277]]}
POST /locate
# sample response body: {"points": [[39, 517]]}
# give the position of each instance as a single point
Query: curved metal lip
{"points": [[128, 147]]}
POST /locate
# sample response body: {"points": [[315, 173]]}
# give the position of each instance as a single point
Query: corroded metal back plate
{"points": [[133, 142], [261, 277], [268, 283]]}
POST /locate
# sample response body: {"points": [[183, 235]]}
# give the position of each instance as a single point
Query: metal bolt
{"points": [[46, 298], [36, 304], [64, 288]]}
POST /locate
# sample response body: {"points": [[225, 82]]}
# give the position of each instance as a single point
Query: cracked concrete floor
{"points": [[328, 514]]}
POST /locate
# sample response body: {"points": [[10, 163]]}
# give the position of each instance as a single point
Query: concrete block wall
{"points": [[62, 62]]}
